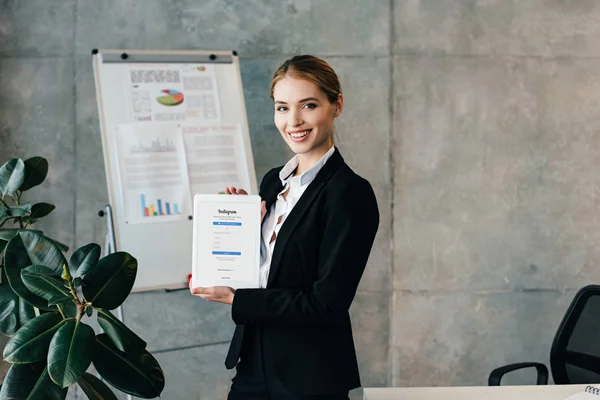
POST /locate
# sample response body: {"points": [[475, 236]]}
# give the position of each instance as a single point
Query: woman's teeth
{"points": [[297, 135]]}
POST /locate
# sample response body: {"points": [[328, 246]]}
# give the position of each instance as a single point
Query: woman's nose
{"points": [[294, 119]]}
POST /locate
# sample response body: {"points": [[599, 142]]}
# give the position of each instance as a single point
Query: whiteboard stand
{"points": [[110, 246]]}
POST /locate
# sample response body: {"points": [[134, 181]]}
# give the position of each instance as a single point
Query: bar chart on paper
{"points": [[158, 209], [156, 146], [152, 172]]}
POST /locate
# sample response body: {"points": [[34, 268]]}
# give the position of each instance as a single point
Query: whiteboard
{"points": [[163, 249]]}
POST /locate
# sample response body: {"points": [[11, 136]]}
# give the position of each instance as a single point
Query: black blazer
{"points": [[318, 259]]}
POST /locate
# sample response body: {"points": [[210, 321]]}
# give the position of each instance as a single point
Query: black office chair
{"points": [[575, 352]]}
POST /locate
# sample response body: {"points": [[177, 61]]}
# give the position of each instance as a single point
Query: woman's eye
{"points": [[310, 105], [281, 108]]}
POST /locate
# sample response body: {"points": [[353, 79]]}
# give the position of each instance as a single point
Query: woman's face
{"points": [[304, 116]]}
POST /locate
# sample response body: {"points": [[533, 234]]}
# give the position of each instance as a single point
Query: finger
{"points": [[227, 190], [242, 191], [206, 290]]}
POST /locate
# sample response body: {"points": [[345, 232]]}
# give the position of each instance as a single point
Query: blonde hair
{"points": [[312, 69]]}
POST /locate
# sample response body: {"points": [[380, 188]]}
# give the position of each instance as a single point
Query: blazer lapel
{"points": [[310, 194], [272, 189]]}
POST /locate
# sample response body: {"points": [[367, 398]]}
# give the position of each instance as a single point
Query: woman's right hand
{"points": [[233, 190], [263, 204]]}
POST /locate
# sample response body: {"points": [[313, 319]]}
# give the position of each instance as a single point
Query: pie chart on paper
{"points": [[171, 98]]}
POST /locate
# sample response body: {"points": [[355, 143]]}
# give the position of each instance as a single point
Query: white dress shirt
{"points": [[282, 207]]}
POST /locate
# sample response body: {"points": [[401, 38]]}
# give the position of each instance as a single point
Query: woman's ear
{"points": [[339, 105]]}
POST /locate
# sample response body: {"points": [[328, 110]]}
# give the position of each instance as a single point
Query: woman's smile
{"points": [[299, 136]]}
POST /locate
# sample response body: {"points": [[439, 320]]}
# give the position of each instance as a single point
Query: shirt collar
{"points": [[309, 175]]}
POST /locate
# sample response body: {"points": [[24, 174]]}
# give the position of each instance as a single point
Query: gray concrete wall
{"points": [[473, 120], [495, 149]]}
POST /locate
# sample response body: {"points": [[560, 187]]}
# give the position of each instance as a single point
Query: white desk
{"points": [[533, 392]]}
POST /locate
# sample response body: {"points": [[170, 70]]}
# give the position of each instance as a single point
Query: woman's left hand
{"points": [[222, 294]]}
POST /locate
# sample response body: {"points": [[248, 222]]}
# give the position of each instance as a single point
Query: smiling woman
{"points": [[307, 97], [293, 337]]}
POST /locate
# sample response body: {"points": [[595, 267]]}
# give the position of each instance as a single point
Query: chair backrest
{"points": [[575, 352]]}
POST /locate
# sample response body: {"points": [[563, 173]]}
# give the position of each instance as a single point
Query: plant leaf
{"points": [[14, 311], [12, 175], [19, 211], [26, 311], [27, 248], [40, 210], [89, 311], [36, 170], [30, 344], [3, 278], [2, 212], [123, 337], [43, 282], [43, 251], [61, 246], [69, 309], [94, 388], [9, 311], [70, 352], [30, 381], [109, 282], [138, 374], [15, 260], [84, 259], [7, 234]]}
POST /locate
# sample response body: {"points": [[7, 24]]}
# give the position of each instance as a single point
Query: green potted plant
{"points": [[45, 301]]}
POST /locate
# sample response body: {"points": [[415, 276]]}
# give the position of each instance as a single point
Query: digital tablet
{"points": [[226, 241]]}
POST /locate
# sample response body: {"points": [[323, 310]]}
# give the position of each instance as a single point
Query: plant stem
{"points": [[3, 202], [80, 306], [61, 311], [73, 292]]}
